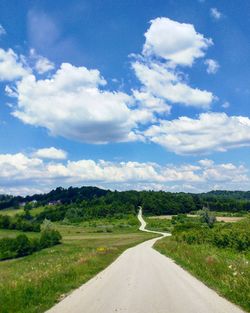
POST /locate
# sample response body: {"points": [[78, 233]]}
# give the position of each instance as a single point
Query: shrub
{"points": [[235, 236], [21, 245], [50, 238]]}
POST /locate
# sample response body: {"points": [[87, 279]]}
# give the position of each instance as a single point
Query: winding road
{"points": [[142, 280]]}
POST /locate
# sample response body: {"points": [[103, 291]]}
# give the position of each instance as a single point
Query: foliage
{"points": [[207, 217], [19, 223], [79, 203], [21, 245], [232, 235], [49, 238]]}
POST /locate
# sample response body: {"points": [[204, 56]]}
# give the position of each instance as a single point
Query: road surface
{"points": [[142, 280]]}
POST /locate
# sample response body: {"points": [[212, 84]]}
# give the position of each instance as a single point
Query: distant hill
{"points": [[105, 202], [64, 195]]}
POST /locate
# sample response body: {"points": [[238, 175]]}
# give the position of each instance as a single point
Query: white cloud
{"points": [[50, 153], [151, 103], [42, 65], [73, 104], [19, 166], [11, 67], [210, 132], [178, 43], [19, 174], [166, 84], [215, 13], [170, 44], [2, 30], [212, 66]]}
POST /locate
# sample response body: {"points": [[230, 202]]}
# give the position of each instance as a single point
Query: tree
{"points": [[207, 217], [22, 245]]}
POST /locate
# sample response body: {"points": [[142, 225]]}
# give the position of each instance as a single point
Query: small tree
{"points": [[47, 225], [207, 217], [22, 245], [50, 238]]}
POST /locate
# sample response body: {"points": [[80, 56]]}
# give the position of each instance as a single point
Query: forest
{"points": [[76, 203]]}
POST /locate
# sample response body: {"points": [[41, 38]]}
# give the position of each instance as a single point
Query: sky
{"points": [[124, 95]]}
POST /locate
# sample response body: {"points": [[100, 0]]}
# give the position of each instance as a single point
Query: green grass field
{"points": [[13, 212], [13, 233], [34, 283]]}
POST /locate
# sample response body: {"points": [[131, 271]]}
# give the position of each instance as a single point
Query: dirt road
{"points": [[142, 280]]}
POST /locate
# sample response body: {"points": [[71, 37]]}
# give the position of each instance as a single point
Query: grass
{"points": [[13, 233], [157, 224], [35, 283], [224, 270], [12, 212], [105, 225]]}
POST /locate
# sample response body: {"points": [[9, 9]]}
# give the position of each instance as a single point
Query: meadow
{"points": [[34, 283]]}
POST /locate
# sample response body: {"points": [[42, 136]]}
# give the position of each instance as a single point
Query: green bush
{"points": [[235, 236], [50, 238], [21, 245]]}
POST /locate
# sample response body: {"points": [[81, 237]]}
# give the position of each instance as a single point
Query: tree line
{"points": [[20, 246], [87, 202]]}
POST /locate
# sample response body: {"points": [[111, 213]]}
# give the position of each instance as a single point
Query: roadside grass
{"points": [[34, 283], [224, 270]]}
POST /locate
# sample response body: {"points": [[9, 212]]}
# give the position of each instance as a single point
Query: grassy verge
{"points": [[224, 270], [34, 283]]}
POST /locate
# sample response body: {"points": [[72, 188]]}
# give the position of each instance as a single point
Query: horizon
{"points": [[113, 190], [87, 101]]}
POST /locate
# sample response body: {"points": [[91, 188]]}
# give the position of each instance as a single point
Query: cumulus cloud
{"points": [[2, 30], [151, 103], [168, 46], [11, 66], [210, 132], [19, 173], [212, 66], [166, 84], [73, 104], [215, 14], [19, 166], [50, 153], [178, 43]]}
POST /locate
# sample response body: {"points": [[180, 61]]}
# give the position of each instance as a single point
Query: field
{"points": [[224, 269], [34, 283], [13, 212], [219, 217]]}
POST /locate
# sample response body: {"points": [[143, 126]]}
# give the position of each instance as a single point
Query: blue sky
{"points": [[124, 95]]}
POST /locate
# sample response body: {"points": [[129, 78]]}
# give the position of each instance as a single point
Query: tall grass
{"points": [[225, 270]]}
